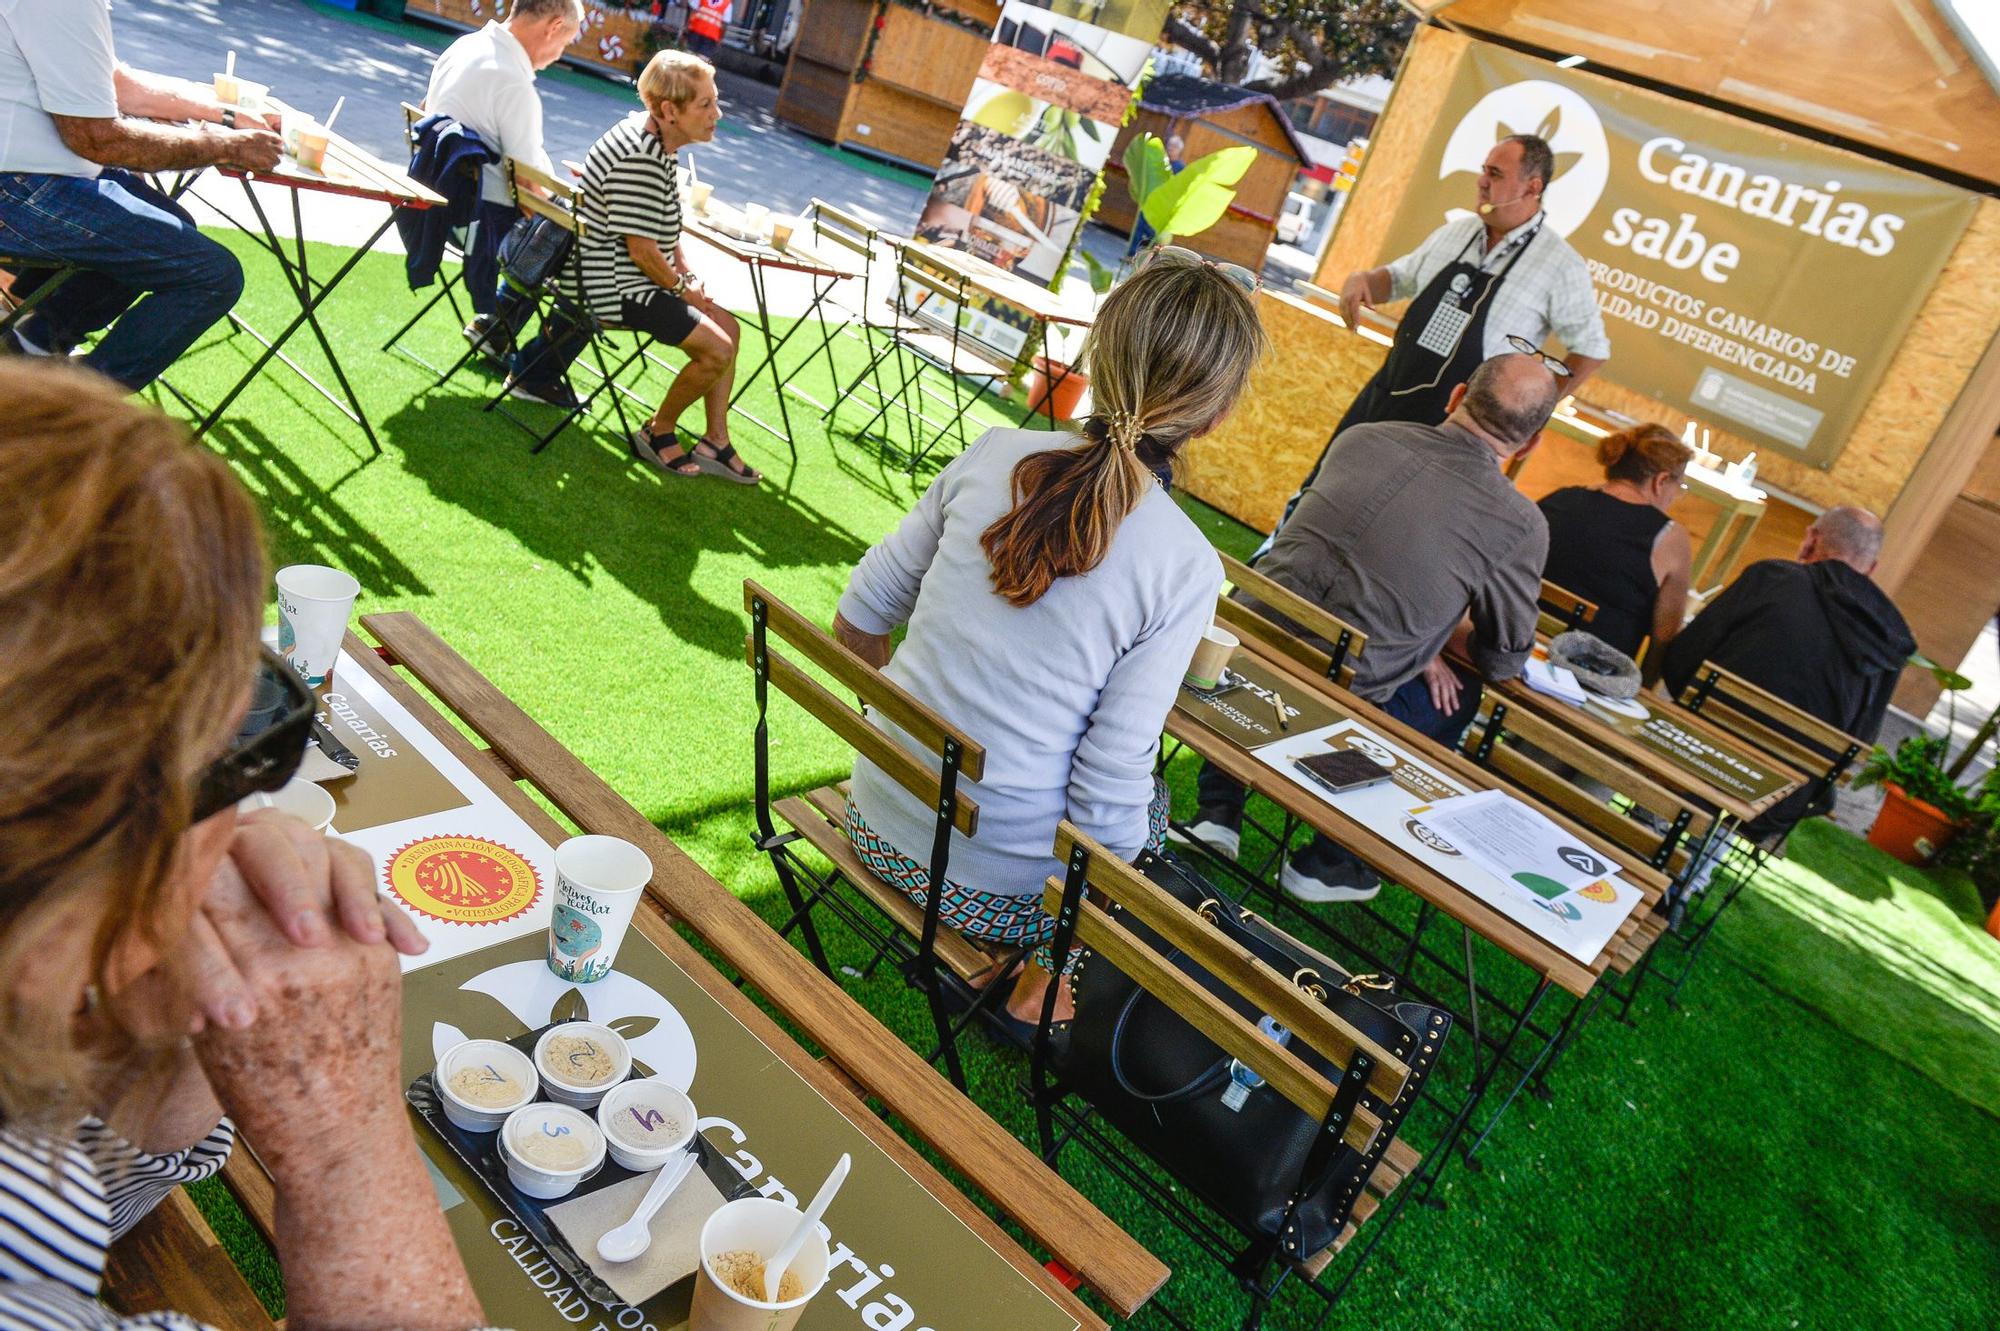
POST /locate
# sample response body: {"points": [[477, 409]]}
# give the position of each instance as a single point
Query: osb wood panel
{"points": [[1887, 72], [1935, 361], [1253, 463], [1949, 595], [932, 57], [900, 124]]}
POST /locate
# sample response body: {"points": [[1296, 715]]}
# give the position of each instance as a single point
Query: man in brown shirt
{"points": [[1413, 534]]}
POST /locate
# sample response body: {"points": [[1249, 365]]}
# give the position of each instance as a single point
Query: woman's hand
{"points": [[312, 887]]}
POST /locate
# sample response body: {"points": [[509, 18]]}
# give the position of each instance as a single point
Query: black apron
{"points": [[1439, 343]]}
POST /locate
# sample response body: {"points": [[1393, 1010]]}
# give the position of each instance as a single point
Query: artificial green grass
{"points": [[1746, 1161]]}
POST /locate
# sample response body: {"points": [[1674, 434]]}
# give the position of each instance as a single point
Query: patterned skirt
{"points": [[988, 917]]}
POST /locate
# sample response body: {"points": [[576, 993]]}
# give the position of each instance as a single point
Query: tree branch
{"points": [[1192, 39]]}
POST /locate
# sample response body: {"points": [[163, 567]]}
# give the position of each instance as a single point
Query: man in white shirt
{"points": [[486, 81], [75, 125]]}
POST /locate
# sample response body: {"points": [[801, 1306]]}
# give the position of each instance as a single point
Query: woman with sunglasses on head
{"points": [[164, 959], [1053, 594], [1615, 545]]}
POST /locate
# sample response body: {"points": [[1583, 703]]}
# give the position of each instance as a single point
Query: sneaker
{"points": [[1215, 827], [557, 394], [1316, 877], [485, 338]]}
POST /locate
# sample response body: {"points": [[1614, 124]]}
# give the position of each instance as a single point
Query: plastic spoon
{"points": [[780, 1261], [631, 1239]]}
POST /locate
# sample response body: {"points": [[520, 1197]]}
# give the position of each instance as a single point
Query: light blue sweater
{"points": [[1068, 695]]}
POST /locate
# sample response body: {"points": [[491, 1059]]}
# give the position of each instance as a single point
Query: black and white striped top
{"points": [[54, 1231], [629, 189]]}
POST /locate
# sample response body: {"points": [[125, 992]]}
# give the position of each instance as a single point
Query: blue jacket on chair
{"points": [[447, 158]]}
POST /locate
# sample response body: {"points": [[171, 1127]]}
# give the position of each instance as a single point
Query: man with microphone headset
{"points": [[1487, 283]]}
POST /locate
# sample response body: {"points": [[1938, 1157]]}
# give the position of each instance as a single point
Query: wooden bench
{"points": [[1314, 620], [1560, 610], [172, 1261], [1767, 722]]}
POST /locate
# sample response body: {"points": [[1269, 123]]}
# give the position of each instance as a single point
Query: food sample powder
{"points": [[578, 1059], [642, 1124], [744, 1273], [485, 1086], [552, 1146]]}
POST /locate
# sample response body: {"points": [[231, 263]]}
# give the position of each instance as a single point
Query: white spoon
{"points": [[631, 1239], [778, 1262]]}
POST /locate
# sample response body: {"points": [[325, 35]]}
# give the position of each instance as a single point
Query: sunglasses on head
{"points": [[1527, 348], [269, 743], [1235, 272]]}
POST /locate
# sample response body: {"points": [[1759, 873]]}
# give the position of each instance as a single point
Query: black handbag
{"points": [[532, 250], [1168, 1088]]}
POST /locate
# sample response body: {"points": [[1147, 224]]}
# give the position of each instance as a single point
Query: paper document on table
{"points": [[1554, 680], [1516, 844], [1398, 810]]}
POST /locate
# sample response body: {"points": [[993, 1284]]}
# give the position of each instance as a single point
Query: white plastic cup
{"points": [[599, 880], [755, 215], [542, 1181], [572, 1092], [615, 1115], [250, 96], [228, 89], [1211, 657], [781, 232], [503, 1058], [698, 195], [753, 1224], [314, 602], [311, 804]]}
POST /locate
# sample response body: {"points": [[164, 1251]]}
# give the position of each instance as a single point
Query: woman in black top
{"points": [[1614, 543]]}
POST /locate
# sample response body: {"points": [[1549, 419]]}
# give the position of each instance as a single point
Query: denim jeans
{"points": [[142, 258], [1411, 704], [491, 223]]}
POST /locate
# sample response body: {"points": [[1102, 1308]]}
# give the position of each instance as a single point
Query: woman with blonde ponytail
{"points": [[1053, 593]]}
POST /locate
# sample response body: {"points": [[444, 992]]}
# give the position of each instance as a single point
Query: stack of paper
{"points": [[1554, 680]]}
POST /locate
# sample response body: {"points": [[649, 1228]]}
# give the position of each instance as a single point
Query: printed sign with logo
{"points": [[1579, 921], [1247, 713], [1745, 275], [1736, 769]]}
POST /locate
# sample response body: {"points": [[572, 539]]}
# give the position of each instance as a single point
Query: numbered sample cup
{"points": [[754, 1226], [1211, 657], [314, 602], [599, 880]]}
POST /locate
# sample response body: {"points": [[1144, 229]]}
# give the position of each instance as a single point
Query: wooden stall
{"points": [[614, 39], [1912, 454], [886, 78], [1209, 116]]}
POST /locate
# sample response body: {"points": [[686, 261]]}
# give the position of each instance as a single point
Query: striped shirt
{"points": [[629, 189], [53, 1238]]}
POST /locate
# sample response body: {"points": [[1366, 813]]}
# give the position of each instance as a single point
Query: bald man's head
{"points": [[1509, 399], [1851, 535]]}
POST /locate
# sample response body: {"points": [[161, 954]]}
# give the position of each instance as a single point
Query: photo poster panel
{"points": [[1578, 923], [1745, 275], [1022, 172]]}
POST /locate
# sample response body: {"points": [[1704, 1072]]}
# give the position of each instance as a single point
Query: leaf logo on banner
{"points": [[1196, 199], [1546, 132]]}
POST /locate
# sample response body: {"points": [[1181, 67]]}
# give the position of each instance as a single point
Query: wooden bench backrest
{"points": [[557, 201], [411, 115], [1562, 610], [1566, 796], [1112, 880], [874, 689], [844, 229], [1769, 723], [1314, 619]]}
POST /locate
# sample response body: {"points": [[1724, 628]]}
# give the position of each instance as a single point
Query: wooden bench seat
{"points": [[820, 818], [171, 1260], [1397, 1164]]}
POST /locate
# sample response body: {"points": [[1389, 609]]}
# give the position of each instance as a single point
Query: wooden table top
{"points": [[860, 1052], [1530, 949], [798, 256], [350, 171], [1037, 302]]}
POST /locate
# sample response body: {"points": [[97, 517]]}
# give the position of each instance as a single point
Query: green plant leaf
{"points": [[1196, 199], [1102, 276], [1145, 167]]}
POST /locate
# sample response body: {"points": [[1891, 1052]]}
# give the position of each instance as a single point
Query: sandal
{"points": [[725, 462], [646, 447]]}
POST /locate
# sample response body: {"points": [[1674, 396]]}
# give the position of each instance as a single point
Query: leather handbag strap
{"points": [[1203, 1082]]}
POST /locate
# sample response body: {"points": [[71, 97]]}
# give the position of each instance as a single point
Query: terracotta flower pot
{"points": [[1067, 386], [1909, 829]]}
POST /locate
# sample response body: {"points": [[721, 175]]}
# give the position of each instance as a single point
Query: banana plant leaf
{"points": [[1145, 167], [1196, 199]]}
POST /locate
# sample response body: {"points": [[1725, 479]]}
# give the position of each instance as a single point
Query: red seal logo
{"points": [[463, 880]]}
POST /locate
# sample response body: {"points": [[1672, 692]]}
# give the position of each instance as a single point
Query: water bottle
{"points": [[1242, 1078]]}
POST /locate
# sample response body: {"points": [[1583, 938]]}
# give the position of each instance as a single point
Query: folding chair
{"points": [[1561, 610], [939, 962], [930, 341], [543, 195], [1277, 604], [17, 310], [872, 320], [1355, 1084], [448, 282]]}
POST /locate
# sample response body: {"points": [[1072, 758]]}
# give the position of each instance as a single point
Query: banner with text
{"points": [[1747, 276]]}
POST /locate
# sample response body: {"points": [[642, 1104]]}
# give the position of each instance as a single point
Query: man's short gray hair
{"points": [[1538, 161], [1511, 397], [1851, 534], [534, 9]]}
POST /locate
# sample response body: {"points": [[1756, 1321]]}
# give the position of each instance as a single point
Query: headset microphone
{"points": [[1487, 208]]}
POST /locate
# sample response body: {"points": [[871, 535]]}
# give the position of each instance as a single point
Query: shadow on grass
{"points": [[585, 506]]}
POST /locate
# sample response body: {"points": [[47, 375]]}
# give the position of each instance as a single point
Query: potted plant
{"points": [[1924, 808]]}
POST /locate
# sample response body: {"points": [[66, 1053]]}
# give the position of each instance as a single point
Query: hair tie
{"points": [[1125, 431]]}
